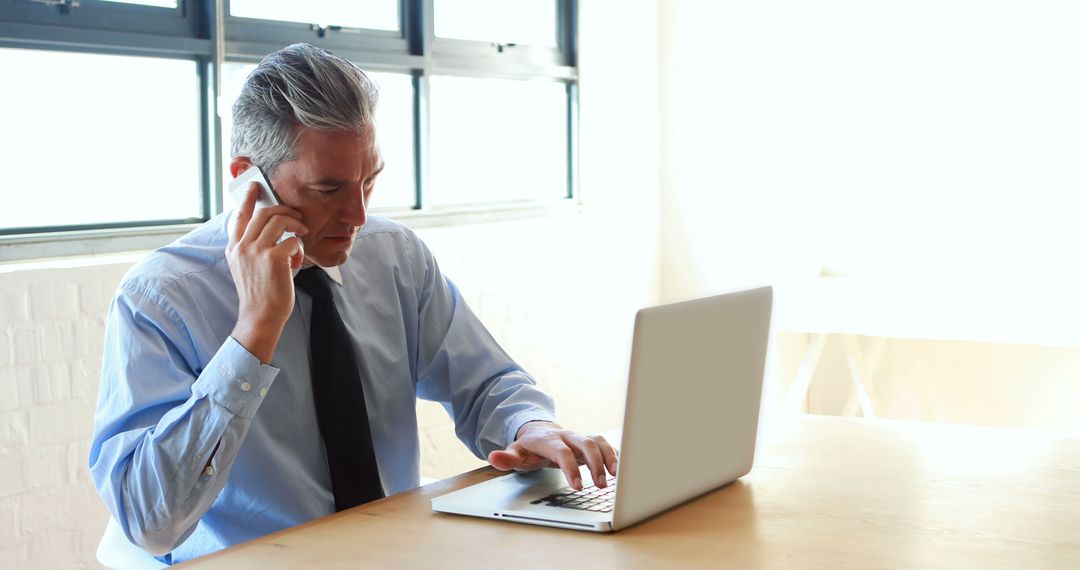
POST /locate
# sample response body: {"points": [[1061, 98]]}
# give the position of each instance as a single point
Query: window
{"points": [[349, 13], [161, 3], [518, 127], [127, 116], [527, 23], [85, 146]]}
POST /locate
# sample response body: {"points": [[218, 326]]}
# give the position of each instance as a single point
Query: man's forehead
{"points": [[344, 150]]}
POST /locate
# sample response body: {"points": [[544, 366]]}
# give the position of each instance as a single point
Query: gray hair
{"points": [[300, 85]]}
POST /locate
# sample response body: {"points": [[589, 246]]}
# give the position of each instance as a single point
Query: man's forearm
{"points": [[159, 480], [177, 472]]}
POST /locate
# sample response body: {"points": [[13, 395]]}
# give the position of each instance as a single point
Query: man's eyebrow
{"points": [[341, 182], [328, 182]]}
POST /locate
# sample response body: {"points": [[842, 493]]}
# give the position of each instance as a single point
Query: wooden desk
{"points": [[825, 493]]}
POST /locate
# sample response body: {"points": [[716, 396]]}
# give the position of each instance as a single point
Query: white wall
{"points": [[928, 147], [51, 332], [558, 292], [924, 139], [724, 226]]}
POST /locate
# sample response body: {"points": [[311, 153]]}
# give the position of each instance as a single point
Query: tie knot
{"points": [[315, 282]]}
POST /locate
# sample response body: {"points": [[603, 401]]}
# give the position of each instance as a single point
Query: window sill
{"points": [[466, 214], [81, 243], [80, 247]]}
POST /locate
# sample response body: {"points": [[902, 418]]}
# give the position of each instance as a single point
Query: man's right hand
{"points": [[262, 271]]}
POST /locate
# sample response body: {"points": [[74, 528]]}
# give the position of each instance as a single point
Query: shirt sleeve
{"points": [[460, 365], [167, 431]]}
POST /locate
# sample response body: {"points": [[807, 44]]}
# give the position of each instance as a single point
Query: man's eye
{"points": [[326, 191]]}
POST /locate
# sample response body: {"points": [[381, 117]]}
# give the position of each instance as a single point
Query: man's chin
{"points": [[328, 259]]}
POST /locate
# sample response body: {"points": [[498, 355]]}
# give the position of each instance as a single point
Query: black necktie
{"points": [[339, 398]]}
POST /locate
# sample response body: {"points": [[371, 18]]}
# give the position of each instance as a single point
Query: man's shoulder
{"points": [[196, 256], [380, 225], [391, 243], [377, 229]]}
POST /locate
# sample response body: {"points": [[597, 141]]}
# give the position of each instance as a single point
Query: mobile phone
{"points": [[238, 189]]}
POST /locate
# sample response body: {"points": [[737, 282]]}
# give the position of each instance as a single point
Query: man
{"points": [[236, 401]]}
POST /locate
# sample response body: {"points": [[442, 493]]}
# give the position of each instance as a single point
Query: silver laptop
{"points": [[692, 402]]}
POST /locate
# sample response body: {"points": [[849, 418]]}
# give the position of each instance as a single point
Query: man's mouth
{"points": [[342, 238]]}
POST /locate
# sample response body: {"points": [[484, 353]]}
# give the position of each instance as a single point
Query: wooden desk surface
{"points": [[824, 493]]}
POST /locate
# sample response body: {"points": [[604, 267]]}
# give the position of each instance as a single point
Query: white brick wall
{"points": [[50, 347]]}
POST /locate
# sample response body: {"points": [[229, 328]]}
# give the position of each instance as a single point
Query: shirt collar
{"points": [[333, 272]]}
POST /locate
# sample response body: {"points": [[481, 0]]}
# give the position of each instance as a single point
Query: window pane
{"points": [[396, 186], [162, 3], [232, 80], [370, 14], [496, 139], [99, 139], [530, 22]]}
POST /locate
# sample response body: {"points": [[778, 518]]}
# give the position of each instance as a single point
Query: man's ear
{"points": [[239, 165]]}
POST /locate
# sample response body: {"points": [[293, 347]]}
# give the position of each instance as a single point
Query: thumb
{"points": [[506, 459]]}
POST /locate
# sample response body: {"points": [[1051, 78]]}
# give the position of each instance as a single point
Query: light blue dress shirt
{"points": [[177, 391]]}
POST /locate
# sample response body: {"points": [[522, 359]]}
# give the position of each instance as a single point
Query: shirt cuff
{"points": [[522, 418], [235, 379]]}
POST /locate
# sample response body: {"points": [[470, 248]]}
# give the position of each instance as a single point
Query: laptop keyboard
{"points": [[590, 498]]}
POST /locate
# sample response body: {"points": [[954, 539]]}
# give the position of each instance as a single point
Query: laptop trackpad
{"points": [[541, 477]]}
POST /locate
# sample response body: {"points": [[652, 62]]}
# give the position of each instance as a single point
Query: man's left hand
{"points": [[541, 444]]}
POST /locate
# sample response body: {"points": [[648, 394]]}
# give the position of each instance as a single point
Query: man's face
{"points": [[330, 182]]}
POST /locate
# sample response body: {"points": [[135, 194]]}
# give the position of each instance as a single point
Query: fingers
{"points": [[564, 457], [267, 225], [611, 456], [262, 217], [291, 248], [296, 258], [276, 226], [589, 450], [243, 213], [543, 445], [250, 222], [541, 449]]}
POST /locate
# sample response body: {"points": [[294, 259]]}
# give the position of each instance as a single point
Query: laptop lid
{"points": [[692, 402]]}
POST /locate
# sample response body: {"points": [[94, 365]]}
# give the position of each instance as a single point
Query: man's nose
{"points": [[355, 212]]}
